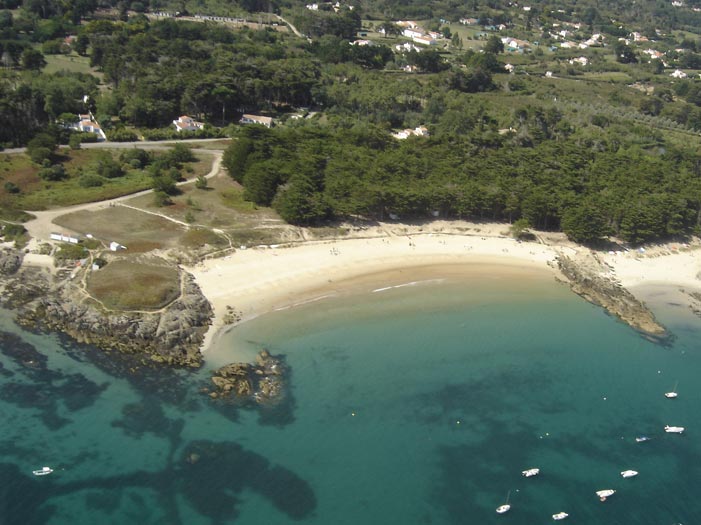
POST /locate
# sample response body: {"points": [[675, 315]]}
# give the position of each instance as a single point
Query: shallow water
{"points": [[418, 404]]}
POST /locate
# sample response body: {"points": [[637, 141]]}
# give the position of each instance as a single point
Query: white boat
{"points": [[603, 494], [43, 471], [673, 393], [503, 509], [629, 473], [673, 430], [531, 472], [640, 439], [560, 516]]}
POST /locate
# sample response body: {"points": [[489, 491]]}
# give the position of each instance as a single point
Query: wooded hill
{"points": [[604, 146]]}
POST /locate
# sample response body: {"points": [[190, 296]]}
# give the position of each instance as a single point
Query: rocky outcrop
{"points": [[588, 278], [172, 335], [10, 261], [262, 382]]}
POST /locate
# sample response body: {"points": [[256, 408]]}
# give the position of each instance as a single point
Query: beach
{"points": [[256, 280]]}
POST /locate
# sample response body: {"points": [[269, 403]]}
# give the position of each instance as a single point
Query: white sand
{"points": [[671, 264], [259, 280]]}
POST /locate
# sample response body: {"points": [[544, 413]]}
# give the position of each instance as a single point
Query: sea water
{"points": [[408, 404]]}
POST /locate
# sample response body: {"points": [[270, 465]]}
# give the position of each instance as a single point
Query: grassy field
{"points": [[150, 284], [139, 232], [38, 194], [73, 63]]}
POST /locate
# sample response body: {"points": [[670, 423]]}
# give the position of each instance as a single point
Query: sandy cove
{"points": [[261, 279], [257, 280]]}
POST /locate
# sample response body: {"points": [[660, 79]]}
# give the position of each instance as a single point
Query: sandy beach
{"points": [[256, 280]]}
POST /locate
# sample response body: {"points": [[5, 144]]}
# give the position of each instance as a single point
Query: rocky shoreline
{"points": [[171, 336], [589, 278]]}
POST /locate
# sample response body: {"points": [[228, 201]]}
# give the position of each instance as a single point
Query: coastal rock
{"points": [[10, 261], [170, 336], [589, 278], [261, 383]]}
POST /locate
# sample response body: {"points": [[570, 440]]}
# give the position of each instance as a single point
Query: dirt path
{"points": [[42, 226]]}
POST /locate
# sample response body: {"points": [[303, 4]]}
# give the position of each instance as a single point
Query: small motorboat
{"points": [[629, 473], [603, 494], [43, 471], [641, 439], [673, 393], [673, 430], [560, 516], [531, 472]]}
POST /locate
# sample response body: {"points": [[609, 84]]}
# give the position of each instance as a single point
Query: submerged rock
{"points": [[262, 382]]}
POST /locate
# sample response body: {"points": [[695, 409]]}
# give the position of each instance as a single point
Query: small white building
{"points": [[509, 67], [420, 131], [185, 123], [424, 40], [256, 119], [87, 124], [115, 246], [411, 32], [678, 73]]}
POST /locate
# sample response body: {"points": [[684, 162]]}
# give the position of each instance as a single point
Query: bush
{"points": [[108, 167], [13, 231], [136, 158], [53, 173], [74, 141], [201, 183], [11, 187], [90, 180], [161, 198], [181, 153], [121, 135], [69, 252], [39, 155]]}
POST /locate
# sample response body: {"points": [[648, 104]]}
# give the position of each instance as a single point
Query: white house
{"points": [[678, 73], [256, 119], [87, 124], [186, 123], [509, 68], [424, 40], [582, 61], [411, 32]]}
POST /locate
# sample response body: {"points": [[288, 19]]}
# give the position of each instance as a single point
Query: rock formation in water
{"points": [[261, 382]]}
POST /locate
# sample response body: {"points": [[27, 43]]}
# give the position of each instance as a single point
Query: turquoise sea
{"points": [[417, 404]]}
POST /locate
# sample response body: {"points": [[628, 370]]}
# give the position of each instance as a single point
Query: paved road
{"points": [[145, 144]]}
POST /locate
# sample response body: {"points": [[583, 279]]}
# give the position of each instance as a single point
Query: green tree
{"points": [[585, 224], [32, 59], [494, 45]]}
